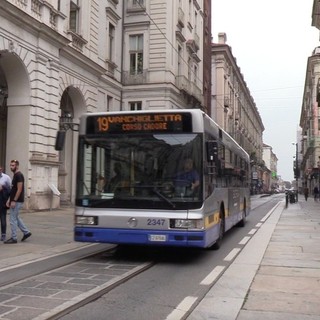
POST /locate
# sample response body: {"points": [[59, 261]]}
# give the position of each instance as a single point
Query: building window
{"points": [[136, 6], [136, 54], [134, 106], [109, 103], [195, 74], [74, 16], [189, 69], [179, 60], [111, 42], [138, 3]]}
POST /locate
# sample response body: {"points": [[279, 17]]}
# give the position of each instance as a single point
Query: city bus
{"points": [[161, 178]]}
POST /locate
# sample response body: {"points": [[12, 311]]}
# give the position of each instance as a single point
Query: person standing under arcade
{"points": [[15, 203], [5, 186]]}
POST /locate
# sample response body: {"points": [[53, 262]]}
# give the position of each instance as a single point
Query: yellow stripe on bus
{"points": [[212, 219]]}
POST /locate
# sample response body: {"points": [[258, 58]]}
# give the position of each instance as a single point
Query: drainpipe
{"points": [[122, 55]]}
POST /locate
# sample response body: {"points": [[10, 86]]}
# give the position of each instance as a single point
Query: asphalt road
{"points": [[177, 274]]}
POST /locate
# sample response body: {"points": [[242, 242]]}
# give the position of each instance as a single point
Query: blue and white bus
{"points": [[131, 181]]}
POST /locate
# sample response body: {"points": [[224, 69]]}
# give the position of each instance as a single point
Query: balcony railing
{"points": [[191, 88], [42, 11], [136, 6], [196, 91], [77, 40], [183, 83], [131, 79], [111, 66]]}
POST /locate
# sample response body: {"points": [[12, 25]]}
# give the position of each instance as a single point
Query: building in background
{"points": [[234, 109], [270, 180], [71, 57], [307, 168]]}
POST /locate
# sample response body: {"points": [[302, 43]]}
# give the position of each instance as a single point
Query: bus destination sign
{"points": [[138, 123]]}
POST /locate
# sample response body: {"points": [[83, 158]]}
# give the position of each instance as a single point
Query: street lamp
{"points": [[66, 123], [296, 169]]}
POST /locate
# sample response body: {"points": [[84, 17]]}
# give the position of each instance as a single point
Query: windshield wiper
{"points": [[163, 197], [156, 192]]}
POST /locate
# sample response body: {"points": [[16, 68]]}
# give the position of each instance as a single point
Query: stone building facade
{"points": [[270, 177], [59, 59], [233, 107], [308, 142]]}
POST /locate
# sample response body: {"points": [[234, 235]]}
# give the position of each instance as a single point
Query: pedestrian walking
{"points": [[306, 193], [5, 186], [15, 203], [316, 193], [287, 198]]}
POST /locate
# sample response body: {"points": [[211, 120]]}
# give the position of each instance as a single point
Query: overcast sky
{"points": [[271, 41]]}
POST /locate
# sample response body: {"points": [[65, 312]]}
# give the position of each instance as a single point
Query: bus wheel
{"points": [[217, 244], [242, 222]]}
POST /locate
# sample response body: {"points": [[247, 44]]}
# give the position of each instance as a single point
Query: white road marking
{"points": [[258, 225], [252, 231], [213, 275], [244, 240], [232, 254], [182, 308]]}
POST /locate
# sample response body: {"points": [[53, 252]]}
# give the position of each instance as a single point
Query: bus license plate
{"points": [[157, 237]]}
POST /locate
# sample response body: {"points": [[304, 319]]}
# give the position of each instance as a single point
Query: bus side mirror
{"points": [[60, 138], [212, 150]]}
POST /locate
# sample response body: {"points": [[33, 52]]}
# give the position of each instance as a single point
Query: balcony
{"points": [[191, 46], [111, 67], [136, 6], [183, 84], [133, 79], [42, 11], [189, 88], [196, 92], [77, 40]]}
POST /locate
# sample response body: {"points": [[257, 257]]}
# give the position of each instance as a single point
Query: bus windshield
{"points": [[147, 171]]}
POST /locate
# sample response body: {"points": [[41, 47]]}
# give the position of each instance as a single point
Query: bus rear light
{"points": [[86, 220], [187, 223]]}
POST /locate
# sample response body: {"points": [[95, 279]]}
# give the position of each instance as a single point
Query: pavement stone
{"points": [[282, 278], [275, 276]]}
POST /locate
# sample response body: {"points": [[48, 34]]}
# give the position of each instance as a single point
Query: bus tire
{"points": [[217, 244], [243, 220]]}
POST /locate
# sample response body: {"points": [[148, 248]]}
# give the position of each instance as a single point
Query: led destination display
{"points": [[148, 122]]}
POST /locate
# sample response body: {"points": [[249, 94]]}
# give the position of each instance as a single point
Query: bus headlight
{"points": [[186, 223], [86, 220]]}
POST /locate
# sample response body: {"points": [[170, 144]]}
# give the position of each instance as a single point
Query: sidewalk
{"points": [[277, 274], [52, 233]]}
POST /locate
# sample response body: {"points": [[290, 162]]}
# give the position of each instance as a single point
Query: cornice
{"points": [[81, 60], [32, 25]]}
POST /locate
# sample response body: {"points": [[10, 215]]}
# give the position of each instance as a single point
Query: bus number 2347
{"points": [[155, 222]]}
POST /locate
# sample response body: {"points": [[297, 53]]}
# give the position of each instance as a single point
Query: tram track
{"points": [[30, 268], [73, 281]]}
